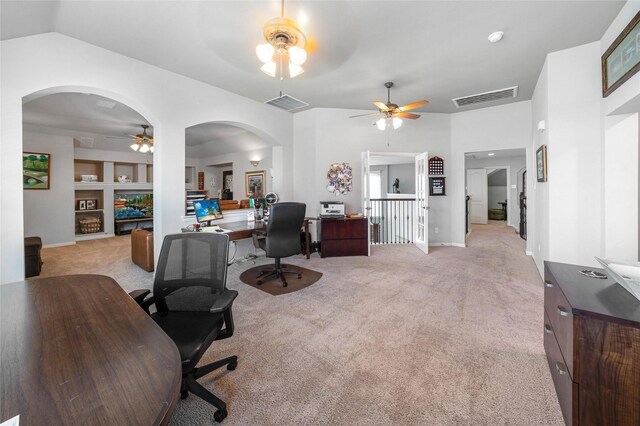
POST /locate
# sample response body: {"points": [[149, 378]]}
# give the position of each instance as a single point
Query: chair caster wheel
{"points": [[184, 394], [285, 284], [220, 415], [232, 365], [258, 282]]}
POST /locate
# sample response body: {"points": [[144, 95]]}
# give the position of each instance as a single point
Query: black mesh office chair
{"points": [[193, 304], [282, 238]]}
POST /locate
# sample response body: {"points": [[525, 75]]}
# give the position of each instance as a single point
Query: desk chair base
{"points": [[189, 384], [277, 271]]}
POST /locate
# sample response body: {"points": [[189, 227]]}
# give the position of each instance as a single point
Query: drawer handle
{"points": [[548, 284], [548, 329], [563, 311], [561, 369]]}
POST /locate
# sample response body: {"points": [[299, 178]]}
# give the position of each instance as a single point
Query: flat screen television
{"points": [[207, 210]]}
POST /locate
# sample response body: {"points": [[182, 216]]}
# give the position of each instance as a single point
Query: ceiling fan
{"points": [[392, 114], [143, 141]]}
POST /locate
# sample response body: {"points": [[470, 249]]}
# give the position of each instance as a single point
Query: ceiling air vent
{"points": [[509, 92], [286, 102]]}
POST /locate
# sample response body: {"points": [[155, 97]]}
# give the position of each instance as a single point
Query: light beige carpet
{"points": [[404, 338]]}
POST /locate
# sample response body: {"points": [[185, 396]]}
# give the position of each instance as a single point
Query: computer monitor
{"points": [[207, 210]]}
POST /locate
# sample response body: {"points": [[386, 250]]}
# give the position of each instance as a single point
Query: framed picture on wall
{"points": [[254, 182], [622, 59], [35, 170], [541, 163]]}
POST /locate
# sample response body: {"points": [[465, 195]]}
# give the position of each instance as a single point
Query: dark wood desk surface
{"points": [[78, 350], [242, 229]]}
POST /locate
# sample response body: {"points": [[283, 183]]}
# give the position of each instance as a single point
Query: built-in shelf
{"points": [[93, 236], [89, 211]]}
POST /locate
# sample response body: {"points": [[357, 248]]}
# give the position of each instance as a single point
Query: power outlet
{"points": [[437, 229]]}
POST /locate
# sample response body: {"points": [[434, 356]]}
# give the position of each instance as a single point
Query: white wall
{"points": [[407, 175], [514, 164], [170, 102], [49, 214], [621, 187], [574, 155], [325, 136], [488, 129]]}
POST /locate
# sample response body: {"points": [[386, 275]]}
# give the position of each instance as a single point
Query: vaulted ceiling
{"points": [[436, 50]]}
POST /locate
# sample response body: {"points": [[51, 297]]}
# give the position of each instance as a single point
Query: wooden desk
{"points": [[244, 229], [78, 350]]}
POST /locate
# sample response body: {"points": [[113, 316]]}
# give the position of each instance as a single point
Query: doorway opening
{"points": [[494, 187], [395, 199]]}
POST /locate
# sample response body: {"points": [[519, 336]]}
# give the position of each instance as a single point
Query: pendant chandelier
{"points": [[283, 52]]}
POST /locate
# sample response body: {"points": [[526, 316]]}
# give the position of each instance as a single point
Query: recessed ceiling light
{"points": [[495, 37], [491, 154]]}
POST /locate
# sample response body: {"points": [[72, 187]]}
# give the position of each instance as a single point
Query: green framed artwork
{"points": [[622, 59], [36, 168]]}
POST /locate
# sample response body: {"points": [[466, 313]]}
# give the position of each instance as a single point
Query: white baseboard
{"points": [[458, 245], [528, 252], [439, 244], [71, 243]]}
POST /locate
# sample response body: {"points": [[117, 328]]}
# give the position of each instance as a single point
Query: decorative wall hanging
{"points": [[340, 178], [35, 170], [254, 183], [622, 58], [436, 186], [436, 166], [541, 163]]}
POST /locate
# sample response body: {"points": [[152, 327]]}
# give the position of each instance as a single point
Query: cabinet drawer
{"points": [[352, 247], [561, 319], [344, 228], [566, 389]]}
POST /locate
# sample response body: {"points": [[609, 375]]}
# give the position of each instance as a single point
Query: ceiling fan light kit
{"points": [[283, 51], [144, 142], [392, 114]]}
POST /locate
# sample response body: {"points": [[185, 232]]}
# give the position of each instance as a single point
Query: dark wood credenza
{"points": [[343, 237], [592, 343]]}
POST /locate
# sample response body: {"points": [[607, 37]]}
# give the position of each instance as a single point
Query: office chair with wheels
{"points": [[193, 304], [281, 239]]}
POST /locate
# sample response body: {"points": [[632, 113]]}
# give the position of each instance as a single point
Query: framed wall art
{"points": [[622, 59], [254, 182], [35, 170], [541, 163]]}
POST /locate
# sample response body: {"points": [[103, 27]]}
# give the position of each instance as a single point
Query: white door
{"points": [[366, 196], [422, 204], [477, 190]]}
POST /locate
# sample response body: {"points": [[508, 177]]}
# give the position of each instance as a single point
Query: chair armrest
{"points": [[139, 297], [224, 301], [223, 304]]}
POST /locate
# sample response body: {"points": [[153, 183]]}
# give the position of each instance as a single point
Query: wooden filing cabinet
{"points": [[343, 237], [592, 343]]}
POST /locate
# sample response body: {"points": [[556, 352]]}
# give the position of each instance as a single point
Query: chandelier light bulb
{"points": [[295, 70], [381, 124], [135, 147], [397, 122], [269, 68], [264, 52], [297, 55], [144, 148], [151, 149]]}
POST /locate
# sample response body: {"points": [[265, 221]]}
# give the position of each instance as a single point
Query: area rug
{"points": [[274, 285]]}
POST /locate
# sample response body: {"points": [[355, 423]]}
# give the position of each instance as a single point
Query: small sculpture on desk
{"points": [[396, 186]]}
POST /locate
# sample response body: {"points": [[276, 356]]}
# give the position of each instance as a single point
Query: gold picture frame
{"points": [[622, 59], [36, 170], [541, 163], [254, 183]]}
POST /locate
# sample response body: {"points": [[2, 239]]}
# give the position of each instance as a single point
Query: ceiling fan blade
{"points": [[381, 105], [364, 115], [407, 115], [413, 105]]}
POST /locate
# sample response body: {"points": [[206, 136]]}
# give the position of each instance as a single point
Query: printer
{"points": [[331, 209]]}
